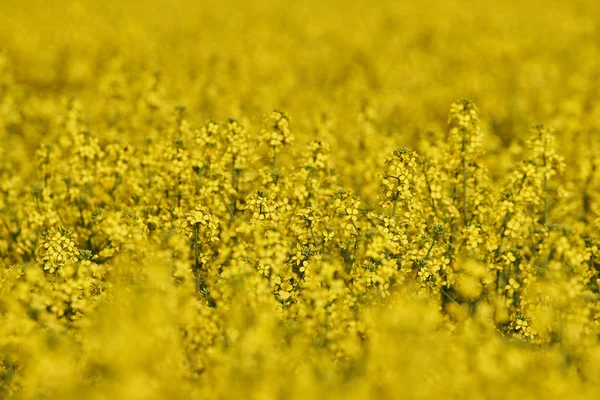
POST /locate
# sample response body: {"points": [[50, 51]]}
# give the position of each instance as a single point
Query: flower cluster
{"points": [[57, 249]]}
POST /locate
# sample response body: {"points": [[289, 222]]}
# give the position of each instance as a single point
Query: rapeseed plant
{"points": [[165, 234]]}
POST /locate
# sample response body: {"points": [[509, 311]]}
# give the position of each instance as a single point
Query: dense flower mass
{"points": [[222, 200]]}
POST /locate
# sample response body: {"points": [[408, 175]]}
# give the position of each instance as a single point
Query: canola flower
{"points": [[299, 209]]}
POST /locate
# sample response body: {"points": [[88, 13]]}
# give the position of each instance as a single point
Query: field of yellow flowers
{"points": [[299, 200]]}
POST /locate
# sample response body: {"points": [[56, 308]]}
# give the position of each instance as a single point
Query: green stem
{"points": [[545, 185], [464, 171], [229, 210], [196, 260], [395, 204], [430, 248]]}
